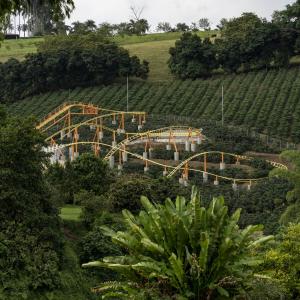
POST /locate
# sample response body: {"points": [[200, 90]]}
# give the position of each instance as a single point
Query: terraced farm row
{"points": [[267, 100]]}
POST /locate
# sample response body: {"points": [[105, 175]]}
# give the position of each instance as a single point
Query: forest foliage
{"points": [[31, 243], [245, 43], [69, 64]]}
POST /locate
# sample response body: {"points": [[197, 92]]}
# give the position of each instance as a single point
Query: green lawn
{"points": [[17, 48], [157, 54], [155, 37], [70, 213]]}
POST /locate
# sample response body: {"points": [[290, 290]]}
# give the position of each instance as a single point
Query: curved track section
{"points": [[169, 135], [182, 166], [72, 115], [222, 154], [68, 119]]}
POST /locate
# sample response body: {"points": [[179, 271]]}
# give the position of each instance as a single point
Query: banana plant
{"points": [[182, 250]]}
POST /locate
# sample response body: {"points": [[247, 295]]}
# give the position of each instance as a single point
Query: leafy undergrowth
{"points": [[70, 213]]}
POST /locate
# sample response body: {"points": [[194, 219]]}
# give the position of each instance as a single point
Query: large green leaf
{"points": [[185, 249], [204, 243], [177, 267], [152, 247]]}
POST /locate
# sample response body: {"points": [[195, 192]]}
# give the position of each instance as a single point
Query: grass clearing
{"points": [[152, 47], [70, 213], [18, 48], [156, 37], [157, 54]]}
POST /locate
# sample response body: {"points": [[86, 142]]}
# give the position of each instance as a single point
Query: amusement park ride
{"points": [[75, 128]]}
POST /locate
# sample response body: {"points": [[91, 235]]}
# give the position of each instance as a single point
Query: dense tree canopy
{"points": [[87, 173], [246, 42], [192, 57], [91, 173], [67, 66], [164, 27], [30, 237]]}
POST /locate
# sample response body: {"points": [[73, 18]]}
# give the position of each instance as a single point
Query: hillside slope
{"points": [[265, 100], [156, 52], [153, 47]]}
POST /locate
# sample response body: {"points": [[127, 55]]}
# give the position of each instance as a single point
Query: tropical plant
{"points": [[204, 24], [282, 260], [182, 249], [164, 27], [293, 196], [60, 7]]}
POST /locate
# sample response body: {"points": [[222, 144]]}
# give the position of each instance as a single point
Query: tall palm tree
{"points": [[182, 249], [64, 7]]}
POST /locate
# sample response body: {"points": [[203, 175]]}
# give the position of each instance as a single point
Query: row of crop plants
{"points": [[163, 98], [214, 108], [238, 97], [193, 97], [266, 100], [230, 94], [249, 98], [213, 86], [292, 112], [273, 125], [178, 103], [140, 99], [258, 102], [154, 97]]}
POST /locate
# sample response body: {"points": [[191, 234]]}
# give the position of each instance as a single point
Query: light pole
{"points": [[222, 105], [127, 97]]}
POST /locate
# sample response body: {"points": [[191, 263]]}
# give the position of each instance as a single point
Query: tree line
{"points": [[245, 43], [68, 63], [39, 18]]}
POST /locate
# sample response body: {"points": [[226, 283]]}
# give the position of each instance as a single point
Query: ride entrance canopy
{"points": [[120, 136]]}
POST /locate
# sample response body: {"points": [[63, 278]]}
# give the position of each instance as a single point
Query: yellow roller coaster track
{"points": [[78, 108], [236, 156], [181, 166], [172, 135]]}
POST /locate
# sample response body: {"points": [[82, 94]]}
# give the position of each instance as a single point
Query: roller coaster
{"points": [[76, 127]]}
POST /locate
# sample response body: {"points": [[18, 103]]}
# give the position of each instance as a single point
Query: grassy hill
{"points": [[18, 48], [152, 47], [265, 100]]}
